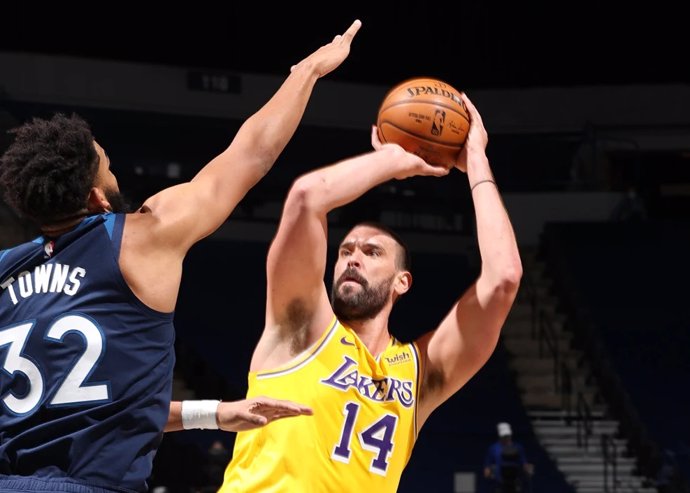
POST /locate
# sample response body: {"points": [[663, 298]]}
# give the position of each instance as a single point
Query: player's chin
{"points": [[349, 288]]}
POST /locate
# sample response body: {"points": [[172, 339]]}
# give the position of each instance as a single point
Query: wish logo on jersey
{"points": [[386, 389], [399, 358]]}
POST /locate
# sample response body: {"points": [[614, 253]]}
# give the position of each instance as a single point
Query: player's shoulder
{"points": [[145, 231], [139, 226], [141, 218]]}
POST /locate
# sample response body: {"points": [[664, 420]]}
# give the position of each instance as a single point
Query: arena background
{"points": [[588, 112]]}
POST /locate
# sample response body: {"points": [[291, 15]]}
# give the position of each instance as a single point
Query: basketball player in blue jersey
{"points": [[370, 392], [86, 309]]}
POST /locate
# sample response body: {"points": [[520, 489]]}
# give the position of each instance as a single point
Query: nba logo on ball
{"points": [[437, 126], [427, 117]]}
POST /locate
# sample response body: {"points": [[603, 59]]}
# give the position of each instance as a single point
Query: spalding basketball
{"points": [[426, 117]]}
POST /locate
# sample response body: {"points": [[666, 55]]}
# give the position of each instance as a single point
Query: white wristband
{"points": [[199, 415]]}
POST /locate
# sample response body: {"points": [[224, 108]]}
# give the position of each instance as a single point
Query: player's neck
{"points": [[63, 225], [373, 332]]}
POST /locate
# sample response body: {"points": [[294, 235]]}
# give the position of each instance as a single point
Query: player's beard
{"points": [[118, 202], [359, 304]]}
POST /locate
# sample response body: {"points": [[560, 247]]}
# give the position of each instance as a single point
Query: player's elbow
{"points": [[507, 288], [511, 277], [502, 290], [305, 195], [259, 162], [262, 142], [504, 283]]}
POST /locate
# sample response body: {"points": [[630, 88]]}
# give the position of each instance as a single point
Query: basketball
{"points": [[426, 117]]}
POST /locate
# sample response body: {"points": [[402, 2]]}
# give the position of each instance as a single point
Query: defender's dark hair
{"points": [[47, 172], [404, 260]]}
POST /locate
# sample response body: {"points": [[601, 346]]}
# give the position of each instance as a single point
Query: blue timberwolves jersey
{"points": [[85, 367]]}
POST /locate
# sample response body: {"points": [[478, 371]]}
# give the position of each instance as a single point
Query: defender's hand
{"points": [[330, 56], [253, 413]]}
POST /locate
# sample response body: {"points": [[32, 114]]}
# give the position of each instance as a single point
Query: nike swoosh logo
{"points": [[343, 340]]}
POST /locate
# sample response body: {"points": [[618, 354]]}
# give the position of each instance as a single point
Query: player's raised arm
{"points": [[191, 211], [467, 336]]}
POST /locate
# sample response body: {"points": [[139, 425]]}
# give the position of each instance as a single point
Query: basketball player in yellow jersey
{"points": [[370, 393]]}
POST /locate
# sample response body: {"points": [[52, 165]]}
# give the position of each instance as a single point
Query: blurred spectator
{"points": [[506, 464]]}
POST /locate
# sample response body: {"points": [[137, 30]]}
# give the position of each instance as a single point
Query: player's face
{"points": [[364, 273], [106, 181]]}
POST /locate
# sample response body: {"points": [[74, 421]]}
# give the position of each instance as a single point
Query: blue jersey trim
{"points": [[114, 232], [89, 220], [110, 224]]}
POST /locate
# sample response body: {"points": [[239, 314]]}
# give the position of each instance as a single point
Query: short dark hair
{"points": [[47, 172], [404, 259]]}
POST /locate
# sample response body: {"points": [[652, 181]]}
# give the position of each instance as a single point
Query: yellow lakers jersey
{"points": [[361, 434]]}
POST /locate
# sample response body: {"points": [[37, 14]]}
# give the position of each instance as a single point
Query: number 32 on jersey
{"points": [[72, 389]]}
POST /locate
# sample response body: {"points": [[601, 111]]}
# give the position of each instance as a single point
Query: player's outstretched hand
{"points": [[253, 413], [330, 56]]}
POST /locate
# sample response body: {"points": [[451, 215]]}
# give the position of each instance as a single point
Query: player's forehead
{"points": [[367, 235]]}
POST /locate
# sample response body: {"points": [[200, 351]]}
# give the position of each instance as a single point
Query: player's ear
{"points": [[97, 201], [403, 282]]}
